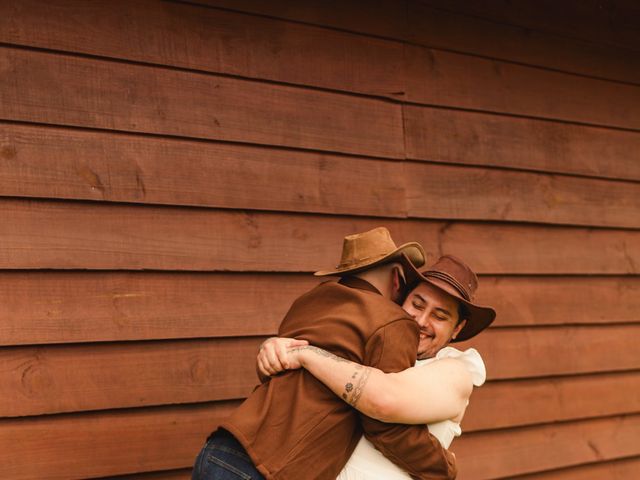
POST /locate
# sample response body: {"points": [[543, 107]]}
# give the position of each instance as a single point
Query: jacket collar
{"points": [[360, 284]]}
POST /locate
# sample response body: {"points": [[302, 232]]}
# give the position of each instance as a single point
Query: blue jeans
{"points": [[224, 458]]}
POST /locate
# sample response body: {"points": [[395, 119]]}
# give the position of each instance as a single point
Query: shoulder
{"points": [[469, 359]]}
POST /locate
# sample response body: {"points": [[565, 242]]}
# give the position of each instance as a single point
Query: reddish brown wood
{"points": [[53, 379], [613, 470], [181, 474], [135, 237], [107, 443], [62, 307], [380, 17], [438, 27], [614, 23], [117, 96], [437, 191], [69, 163], [544, 351], [96, 377], [482, 139], [436, 77], [212, 40], [561, 301], [96, 440], [507, 453], [506, 404]]}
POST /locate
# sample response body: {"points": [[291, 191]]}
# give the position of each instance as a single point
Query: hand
{"points": [[274, 355]]}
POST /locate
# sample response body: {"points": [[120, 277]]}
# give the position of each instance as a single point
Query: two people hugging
{"points": [[360, 383]]}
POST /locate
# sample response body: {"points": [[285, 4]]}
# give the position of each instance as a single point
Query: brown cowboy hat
{"points": [[375, 247], [454, 277]]}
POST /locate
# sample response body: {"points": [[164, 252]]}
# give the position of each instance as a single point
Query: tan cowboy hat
{"points": [[375, 247], [454, 277]]}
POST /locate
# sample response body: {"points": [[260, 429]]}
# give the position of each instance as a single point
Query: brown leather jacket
{"points": [[295, 428]]}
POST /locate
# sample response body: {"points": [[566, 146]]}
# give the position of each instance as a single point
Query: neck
{"points": [[381, 284]]}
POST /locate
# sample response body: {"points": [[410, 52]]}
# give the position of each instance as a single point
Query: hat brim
{"points": [[412, 251], [479, 318]]}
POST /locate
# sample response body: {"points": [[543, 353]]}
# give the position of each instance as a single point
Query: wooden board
{"points": [[126, 97], [547, 351], [98, 377], [613, 470], [452, 136], [55, 307], [561, 300], [453, 192], [507, 453], [64, 307], [180, 474], [435, 77], [170, 437], [615, 23], [54, 379], [156, 439], [504, 404], [212, 40], [437, 27], [386, 18], [163, 238], [77, 164]]}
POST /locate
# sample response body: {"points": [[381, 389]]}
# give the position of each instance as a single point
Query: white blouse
{"points": [[367, 463]]}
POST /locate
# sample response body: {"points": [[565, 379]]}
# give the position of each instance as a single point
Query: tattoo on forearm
{"points": [[357, 392], [352, 393]]}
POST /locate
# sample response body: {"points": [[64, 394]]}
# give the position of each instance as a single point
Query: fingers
{"points": [[274, 357]]}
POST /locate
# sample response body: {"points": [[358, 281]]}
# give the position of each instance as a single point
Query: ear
{"points": [[459, 327]]}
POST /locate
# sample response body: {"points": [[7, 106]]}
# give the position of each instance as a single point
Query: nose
{"points": [[421, 319]]}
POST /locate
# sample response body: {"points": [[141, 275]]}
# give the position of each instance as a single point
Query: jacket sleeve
{"points": [[393, 348]]}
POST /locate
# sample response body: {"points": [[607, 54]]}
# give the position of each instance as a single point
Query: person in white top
{"points": [[434, 392]]}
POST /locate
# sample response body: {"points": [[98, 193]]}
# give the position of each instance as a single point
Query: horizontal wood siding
{"points": [[170, 177]]}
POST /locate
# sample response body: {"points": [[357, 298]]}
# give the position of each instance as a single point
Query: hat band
{"points": [[450, 280]]}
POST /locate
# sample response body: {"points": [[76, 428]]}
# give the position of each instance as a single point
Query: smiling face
{"points": [[437, 315]]}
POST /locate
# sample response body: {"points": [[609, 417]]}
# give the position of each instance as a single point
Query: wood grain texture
{"points": [[96, 439], [116, 96], [68, 378], [97, 377], [484, 139], [78, 164], [507, 453], [211, 40], [66, 307], [438, 191], [511, 353], [163, 238], [504, 404], [440, 28], [156, 439], [178, 474], [441, 78], [614, 23], [561, 300], [385, 18], [612, 470]]}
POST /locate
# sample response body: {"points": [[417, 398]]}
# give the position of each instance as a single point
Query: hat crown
{"points": [[363, 247], [456, 273]]}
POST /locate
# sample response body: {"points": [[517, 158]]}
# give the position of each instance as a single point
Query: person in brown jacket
{"points": [[292, 427]]}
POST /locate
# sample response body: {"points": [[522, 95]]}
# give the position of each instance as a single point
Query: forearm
{"points": [[426, 394], [347, 379]]}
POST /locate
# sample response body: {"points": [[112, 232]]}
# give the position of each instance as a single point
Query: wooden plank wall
{"points": [[170, 173]]}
